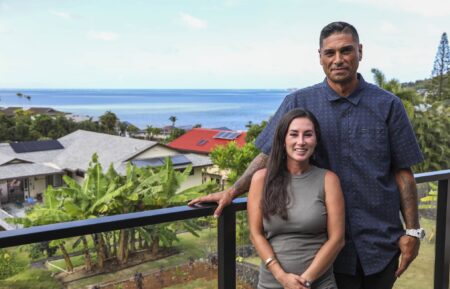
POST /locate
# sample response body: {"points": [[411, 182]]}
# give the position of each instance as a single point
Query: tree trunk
{"points": [[105, 249], [115, 244], [132, 240], [100, 251], [87, 255], [108, 243], [154, 247], [123, 246], [69, 265], [141, 242]]}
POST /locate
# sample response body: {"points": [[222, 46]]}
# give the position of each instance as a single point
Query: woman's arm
{"points": [[334, 202], [262, 246]]}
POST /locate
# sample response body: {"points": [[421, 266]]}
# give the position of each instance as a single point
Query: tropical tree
{"points": [[123, 126], [234, 158], [49, 212], [20, 131], [21, 95], [108, 122], [253, 130], [440, 74], [132, 129], [43, 125], [173, 119], [152, 131]]}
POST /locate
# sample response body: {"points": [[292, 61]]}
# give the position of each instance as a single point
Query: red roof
{"points": [[202, 140]]}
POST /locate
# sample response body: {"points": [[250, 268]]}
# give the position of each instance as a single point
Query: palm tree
{"points": [[173, 119]]}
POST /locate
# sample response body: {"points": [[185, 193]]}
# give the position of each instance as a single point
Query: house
{"points": [[203, 140], [27, 168]]}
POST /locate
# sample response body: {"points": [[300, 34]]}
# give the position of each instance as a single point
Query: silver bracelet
{"points": [[268, 261]]}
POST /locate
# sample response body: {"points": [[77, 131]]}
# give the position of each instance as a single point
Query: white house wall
{"points": [[156, 151], [3, 191], [37, 185], [192, 180]]}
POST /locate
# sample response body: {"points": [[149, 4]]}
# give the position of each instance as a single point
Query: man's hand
{"points": [[409, 248], [223, 199]]}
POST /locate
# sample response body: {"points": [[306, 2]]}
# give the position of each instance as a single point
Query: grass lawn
{"points": [[31, 278], [200, 283]]}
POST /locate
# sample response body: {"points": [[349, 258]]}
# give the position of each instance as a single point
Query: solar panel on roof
{"points": [[180, 160], [153, 162], [177, 160], [36, 146], [227, 135]]}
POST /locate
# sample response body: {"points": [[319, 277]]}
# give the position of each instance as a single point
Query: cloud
{"points": [[192, 21], [429, 8], [388, 27], [103, 35], [65, 15], [62, 14]]}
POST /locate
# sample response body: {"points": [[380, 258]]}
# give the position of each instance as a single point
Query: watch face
{"points": [[418, 233]]}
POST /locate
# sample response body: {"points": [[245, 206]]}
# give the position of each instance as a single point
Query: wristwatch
{"points": [[308, 284], [418, 233]]}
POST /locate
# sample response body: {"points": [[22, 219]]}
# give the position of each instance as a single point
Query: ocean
{"points": [[232, 108]]}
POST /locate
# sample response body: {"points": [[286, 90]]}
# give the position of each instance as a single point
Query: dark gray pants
{"points": [[382, 280]]}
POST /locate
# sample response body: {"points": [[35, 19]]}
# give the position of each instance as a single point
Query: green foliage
{"points": [[232, 157], [109, 193], [429, 201], [31, 278], [174, 134], [253, 130], [432, 127], [8, 264], [37, 250], [152, 131], [22, 126], [108, 122]]}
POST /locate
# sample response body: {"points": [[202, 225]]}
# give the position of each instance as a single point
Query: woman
{"points": [[296, 210]]}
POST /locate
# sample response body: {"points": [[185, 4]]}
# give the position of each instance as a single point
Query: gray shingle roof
{"points": [[26, 170], [79, 147]]}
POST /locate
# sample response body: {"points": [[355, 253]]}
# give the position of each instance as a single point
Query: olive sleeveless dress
{"points": [[296, 241]]}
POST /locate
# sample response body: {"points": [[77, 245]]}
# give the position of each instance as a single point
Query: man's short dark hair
{"points": [[338, 27]]}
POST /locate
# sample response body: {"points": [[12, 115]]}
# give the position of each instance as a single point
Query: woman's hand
{"points": [[291, 281]]}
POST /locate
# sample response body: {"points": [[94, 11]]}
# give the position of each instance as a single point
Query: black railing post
{"points": [[226, 249], [441, 265]]}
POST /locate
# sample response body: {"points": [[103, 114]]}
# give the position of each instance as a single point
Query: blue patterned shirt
{"points": [[365, 137]]}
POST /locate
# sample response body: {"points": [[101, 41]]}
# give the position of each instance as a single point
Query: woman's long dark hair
{"points": [[275, 194]]}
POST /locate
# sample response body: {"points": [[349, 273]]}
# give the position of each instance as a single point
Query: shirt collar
{"points": [[353, 98]]}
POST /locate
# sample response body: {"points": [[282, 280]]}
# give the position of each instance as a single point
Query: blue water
{"points": [[142, 107]]}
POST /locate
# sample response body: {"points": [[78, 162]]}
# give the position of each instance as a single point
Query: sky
{"points": [[207, 43]]}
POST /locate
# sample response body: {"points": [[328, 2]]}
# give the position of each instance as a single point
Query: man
{"points": [[368, 141]]}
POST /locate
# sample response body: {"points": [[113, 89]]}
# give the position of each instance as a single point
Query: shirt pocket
{"points": [[372, 142]]}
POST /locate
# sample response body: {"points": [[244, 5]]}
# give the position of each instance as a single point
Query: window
{"points": [[54, 181]]}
